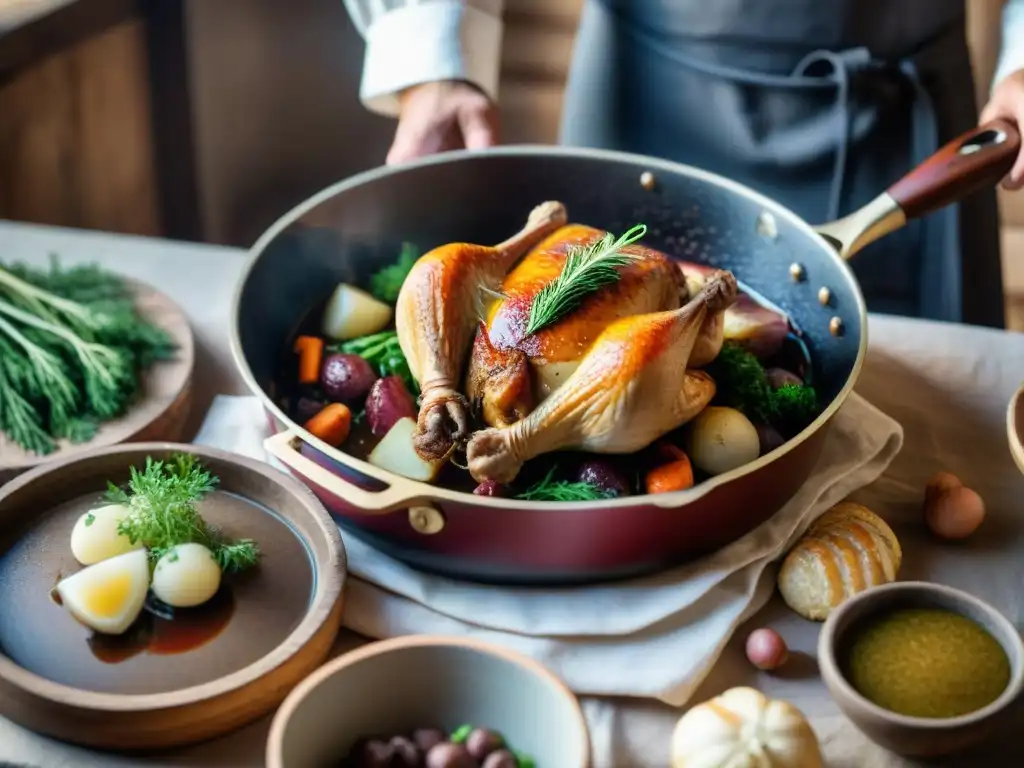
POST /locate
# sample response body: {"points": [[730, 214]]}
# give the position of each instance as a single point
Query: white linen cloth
{"points": [[654, 637]]}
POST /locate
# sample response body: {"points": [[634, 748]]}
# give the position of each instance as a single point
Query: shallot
{"points": [[954, 513], [766, 649]]}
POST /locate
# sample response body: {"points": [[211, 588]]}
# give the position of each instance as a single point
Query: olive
{"points": [[406, 753], [768, 438], [427, 738], [780, 377], [489, 488], [500, 759], [604, 476], [307, 407], [481, 742], [449, 755], [346, 378], [371, 753]]}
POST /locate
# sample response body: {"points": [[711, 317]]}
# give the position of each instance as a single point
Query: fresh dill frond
{"points": [[587, 269], [386, 283], [549, 489], [162, 500], [72, 347]]}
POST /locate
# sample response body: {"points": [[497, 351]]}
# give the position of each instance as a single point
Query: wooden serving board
{"points": [[162, 412], [193, 677]]}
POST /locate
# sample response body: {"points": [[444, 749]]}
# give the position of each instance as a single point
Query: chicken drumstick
{"points": [[620, 398], [436, 316]]}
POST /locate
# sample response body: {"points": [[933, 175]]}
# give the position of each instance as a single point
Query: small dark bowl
{"points": [[919, 736]]}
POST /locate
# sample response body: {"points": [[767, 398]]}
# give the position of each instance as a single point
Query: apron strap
{"points": [[940, 277], [843, 64], [941, 280]]}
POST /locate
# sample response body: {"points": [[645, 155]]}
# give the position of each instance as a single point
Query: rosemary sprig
{"points": [[587, 269], [549, 489]]}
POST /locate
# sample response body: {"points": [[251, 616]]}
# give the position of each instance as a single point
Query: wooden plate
{"points": [[160, 414], [164, 683]]}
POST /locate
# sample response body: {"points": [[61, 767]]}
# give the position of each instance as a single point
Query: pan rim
{"points": [[673, 499]]}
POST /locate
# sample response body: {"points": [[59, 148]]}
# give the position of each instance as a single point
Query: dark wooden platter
{"points": [[164, 682]]}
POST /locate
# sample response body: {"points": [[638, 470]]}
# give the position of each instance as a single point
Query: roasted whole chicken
{"points": [[611, 375]]}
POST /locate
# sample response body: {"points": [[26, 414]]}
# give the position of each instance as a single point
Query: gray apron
{"points": [[819, 105]]}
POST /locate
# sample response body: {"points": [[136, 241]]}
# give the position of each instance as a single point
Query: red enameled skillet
{"points": [[355, 227]]}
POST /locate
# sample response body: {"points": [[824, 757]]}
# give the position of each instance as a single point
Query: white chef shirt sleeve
{"points": [[409, 42], [1011, 54]]}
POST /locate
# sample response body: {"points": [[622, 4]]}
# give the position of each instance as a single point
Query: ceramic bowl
{"points": [[394, 686], [917, 736], [1015, 427]]}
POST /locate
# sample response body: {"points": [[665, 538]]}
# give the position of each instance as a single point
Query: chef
{"points": [[820, 105]]}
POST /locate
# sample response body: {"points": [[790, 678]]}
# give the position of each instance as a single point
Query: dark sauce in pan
{"points": [[162, 630], [301, 401]]}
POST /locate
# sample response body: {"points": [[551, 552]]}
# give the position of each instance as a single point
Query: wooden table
{"points": [[948, 385]]}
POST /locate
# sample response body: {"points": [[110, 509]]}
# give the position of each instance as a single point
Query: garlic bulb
{"points": [[743, 728]]}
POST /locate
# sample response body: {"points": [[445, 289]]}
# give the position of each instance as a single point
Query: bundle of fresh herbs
{"points": [[72, 346], [162, 499]]}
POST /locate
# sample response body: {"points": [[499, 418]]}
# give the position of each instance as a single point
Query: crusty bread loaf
{"points": [[845, 551]]}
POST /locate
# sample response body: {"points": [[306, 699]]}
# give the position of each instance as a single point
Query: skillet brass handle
{"points": [[400, 493], [974, 160]]}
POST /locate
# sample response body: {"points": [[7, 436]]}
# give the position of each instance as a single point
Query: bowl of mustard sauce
{"points": [[922, 669]]}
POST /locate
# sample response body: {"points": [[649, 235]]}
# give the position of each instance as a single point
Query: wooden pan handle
{"points": [[399, 494], [976, 159]]}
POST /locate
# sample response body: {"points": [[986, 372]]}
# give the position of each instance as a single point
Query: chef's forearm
{"points": [[409, 42], [1011, 54]]}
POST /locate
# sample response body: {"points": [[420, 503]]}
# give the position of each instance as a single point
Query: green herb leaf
{"points": [[550, 489], [587, 269], [90, 518], [383, 352], [743, 385], [387, 283], [162, 499], [524, 760], [460, 734], [72, 346]]}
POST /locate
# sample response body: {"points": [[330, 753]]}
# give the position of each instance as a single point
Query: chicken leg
{"points": [[632, 387], [437, 314]]}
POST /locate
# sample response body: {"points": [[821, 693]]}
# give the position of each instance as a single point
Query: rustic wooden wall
{"points": [[275, 115], [75, 139]]}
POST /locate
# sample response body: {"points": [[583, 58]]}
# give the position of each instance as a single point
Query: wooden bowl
{"points": [[164, 683], [919, 736], [417, 681], [162, 411], [1015, 427]]}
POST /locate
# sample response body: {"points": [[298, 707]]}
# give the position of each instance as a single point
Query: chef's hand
{"points": [[1007, 102], [444, 115]]}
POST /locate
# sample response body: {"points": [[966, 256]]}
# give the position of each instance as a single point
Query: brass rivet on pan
{"points": [[796, 271], [647, 180], [765, 226], [824, 295], [835, 326], [426, 520]]}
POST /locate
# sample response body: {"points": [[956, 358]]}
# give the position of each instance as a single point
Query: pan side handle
{"points": [[974, 160], [400, 493]]}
